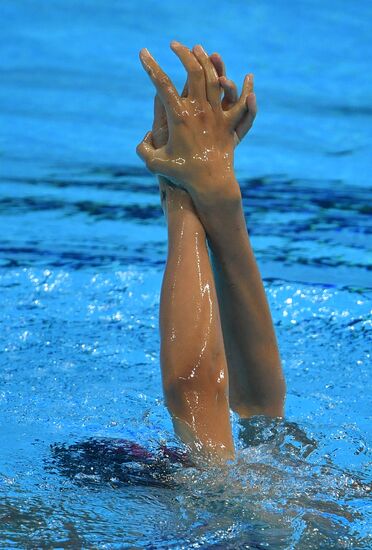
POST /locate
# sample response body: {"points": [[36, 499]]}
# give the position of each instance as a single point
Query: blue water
{"points": [[83, 246]]}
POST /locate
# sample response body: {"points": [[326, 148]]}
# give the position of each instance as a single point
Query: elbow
{"points": [[186, 398]]}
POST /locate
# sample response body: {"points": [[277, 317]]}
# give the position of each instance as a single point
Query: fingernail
{"points": [[145, 52], [174, 43], [199, 49]]}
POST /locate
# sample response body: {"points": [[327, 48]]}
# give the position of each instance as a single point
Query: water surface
{"points": [[82, 251]]}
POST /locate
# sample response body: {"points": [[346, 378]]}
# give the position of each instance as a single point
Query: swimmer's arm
{"points": [[256, 380], [193, 362], [202, 139]]}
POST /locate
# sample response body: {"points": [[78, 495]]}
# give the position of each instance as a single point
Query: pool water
{"points": [[88, 458]]}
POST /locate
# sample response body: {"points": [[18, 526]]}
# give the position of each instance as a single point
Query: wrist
{"points": [[223, 219], [215, 190]]}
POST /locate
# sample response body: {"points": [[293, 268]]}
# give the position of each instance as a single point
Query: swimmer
{"points": [[218, 345]]}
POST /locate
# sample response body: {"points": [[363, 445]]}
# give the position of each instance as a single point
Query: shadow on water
{"points": [[285, 438]]}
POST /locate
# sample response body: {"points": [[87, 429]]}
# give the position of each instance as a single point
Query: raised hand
{"points": [[198, 155], [160, 124]]}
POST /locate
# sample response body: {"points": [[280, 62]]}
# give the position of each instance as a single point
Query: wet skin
{"points": [[192, 146], [193, 360], [198, 155]]}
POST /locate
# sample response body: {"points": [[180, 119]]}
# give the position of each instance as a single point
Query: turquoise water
{"points": [[83, 246]]}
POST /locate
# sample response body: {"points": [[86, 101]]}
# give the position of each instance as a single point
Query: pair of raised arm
{"points": [[192, 146], [194, 136]]}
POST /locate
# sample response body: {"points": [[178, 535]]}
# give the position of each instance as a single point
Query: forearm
{"points": [[256, 379], [193, 360]]}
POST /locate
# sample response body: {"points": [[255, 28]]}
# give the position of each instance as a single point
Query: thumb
{"points": [[246, 122], [239, 110], [146, 151]]}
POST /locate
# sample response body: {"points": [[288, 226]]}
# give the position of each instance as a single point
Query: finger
{"points": [[160, 132], [185, 91], [195, 73], [218, 64], [240, 109], [247, 121], [160, 116], [230, 92], [211, 78], [163, 84]]}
